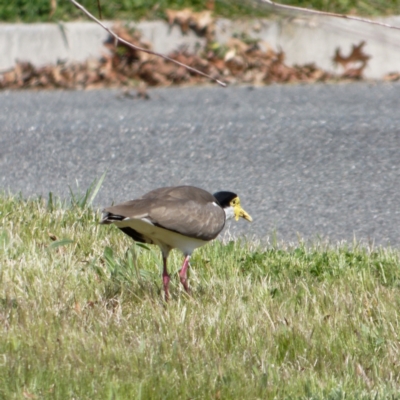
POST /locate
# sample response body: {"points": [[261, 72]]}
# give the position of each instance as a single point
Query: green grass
{"points": [[40, 10], [82, 316]]}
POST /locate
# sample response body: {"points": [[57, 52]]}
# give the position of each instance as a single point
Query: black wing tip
{"points": [[109, 218]]}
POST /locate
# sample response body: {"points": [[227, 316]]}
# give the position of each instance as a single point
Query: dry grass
{"points": [[82, 316]]}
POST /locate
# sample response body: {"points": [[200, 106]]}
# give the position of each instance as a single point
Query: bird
{"points": [[176, 217]]}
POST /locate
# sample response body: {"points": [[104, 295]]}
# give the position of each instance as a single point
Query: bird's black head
{"points": [[230, 202], [225, 198]]}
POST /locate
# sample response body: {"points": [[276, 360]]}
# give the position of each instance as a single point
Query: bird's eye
{"points": [[235, 201]]}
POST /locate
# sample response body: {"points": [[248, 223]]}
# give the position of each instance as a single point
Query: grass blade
{"points": [[96, 189]]}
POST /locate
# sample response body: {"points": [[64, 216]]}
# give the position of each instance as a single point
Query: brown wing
{"points": [[184, 209], [189, 219]]}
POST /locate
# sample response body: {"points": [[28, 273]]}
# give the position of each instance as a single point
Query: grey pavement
{"points": [[315, 161]]}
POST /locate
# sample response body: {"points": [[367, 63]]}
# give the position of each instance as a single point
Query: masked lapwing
{"points": [[180, 217]]}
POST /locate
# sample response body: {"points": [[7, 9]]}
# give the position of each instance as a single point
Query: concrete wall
{"points": [[304, 40]]}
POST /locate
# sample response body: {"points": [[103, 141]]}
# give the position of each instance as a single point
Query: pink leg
{"points": [[166, 278], [183, 274]]}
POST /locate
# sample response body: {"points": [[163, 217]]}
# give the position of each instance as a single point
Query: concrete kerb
{"points": [[304, 40]]}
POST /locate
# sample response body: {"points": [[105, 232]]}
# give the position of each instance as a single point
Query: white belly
{"points": [[162, 237]]}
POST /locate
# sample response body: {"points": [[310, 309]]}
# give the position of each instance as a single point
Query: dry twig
{"points": [[119, 39], [325, 13]]}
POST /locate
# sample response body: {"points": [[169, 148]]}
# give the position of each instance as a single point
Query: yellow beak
{"points": [[240, 213]]}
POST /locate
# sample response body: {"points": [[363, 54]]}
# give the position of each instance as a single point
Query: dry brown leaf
{"points": [[200, 22], [355, 55], [180, 17], [354, 63], [237, 45], [392, 77]]}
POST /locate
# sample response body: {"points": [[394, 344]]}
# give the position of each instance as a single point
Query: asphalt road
{"points": [[320, 161]]}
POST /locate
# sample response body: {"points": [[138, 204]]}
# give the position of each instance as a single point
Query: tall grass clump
{"points": [[82, 315]]}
